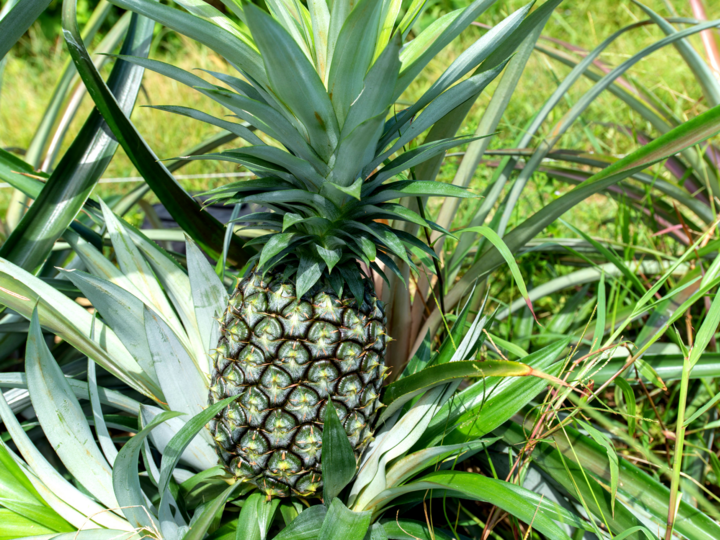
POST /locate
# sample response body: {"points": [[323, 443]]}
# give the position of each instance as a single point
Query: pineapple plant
{"points": [[293, 358], [304, 327]]}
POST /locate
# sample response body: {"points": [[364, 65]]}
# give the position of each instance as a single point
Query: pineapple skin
{"points": [[284, 358]]}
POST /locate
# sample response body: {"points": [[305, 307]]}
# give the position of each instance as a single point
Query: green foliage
{"points": [[557, 373]]}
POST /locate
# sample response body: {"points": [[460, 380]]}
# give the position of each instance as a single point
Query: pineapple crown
{"points": [[321, 83]]}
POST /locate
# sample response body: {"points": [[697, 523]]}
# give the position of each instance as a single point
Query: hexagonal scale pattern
{"points": [[283, 358]]}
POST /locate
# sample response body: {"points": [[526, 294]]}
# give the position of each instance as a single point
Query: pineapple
{"points": [[304, 327], [285, 357]]}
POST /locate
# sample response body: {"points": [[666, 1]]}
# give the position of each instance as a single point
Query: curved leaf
{"points": [[435, 375], [208, 293], [338, 463], [63, 420], [79, 507], [126, 480]]}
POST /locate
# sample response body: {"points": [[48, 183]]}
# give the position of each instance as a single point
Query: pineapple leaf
{"points": [[341, 523], [338, 463], [212, 14], [63, 419], [441, 106], [339, 12], [176, 284], [258, 166], [218, 39], [292, 22], [355, 150], [132, 263], [184, 386], [321, 204], [415, 462], [202, 522], [268, 120], [75, 505], [380, 272], [240, 130], [411, 15], [268, 161], [298, 167], [410, 240], [295, 81], [126, 480], [320, 18], [515, 500], [74, 177], [376, 95], [428, 51], [276, 244], [168, 70], [366, 246], [352, 190], [203, 227], [21, 497], [392, 265], [391, 9], [411, 158], [306, 525], [208, 294], [504, 250], [260, 185], [350, 273], [402, 188], [289, 220], [389, 238], [15, 22], [12, 169], [330, 256], [352, 55], [73, 323], [256, 517], [309, 272], [240, 86], [390, 211], [181, 440], [13, 478], [121, 310], [530, 28], [398, 438], [101, 430], [462, 414], [414, 49], [470, 59], [199, 454], [410, 528], [435, 375]]}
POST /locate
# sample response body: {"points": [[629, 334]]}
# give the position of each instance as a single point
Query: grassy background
{"points": [[35, 64]]}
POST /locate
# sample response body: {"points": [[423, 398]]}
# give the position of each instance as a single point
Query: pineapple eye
{"points": [[276, 384], [349, 356], [321, 377], [303, 403]]}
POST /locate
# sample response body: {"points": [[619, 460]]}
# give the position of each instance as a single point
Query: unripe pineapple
{"points": [[284, 358]]}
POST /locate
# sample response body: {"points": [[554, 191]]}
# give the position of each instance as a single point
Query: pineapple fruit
{"points": [[285, 357]]}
